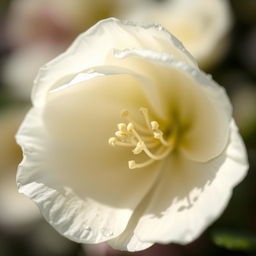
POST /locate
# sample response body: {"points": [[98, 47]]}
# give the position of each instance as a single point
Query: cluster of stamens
{"points": [[146, 138]]}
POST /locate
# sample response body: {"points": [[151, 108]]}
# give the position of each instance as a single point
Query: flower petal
{"points": [[93, 47], [179, 209], [190, 97], [99, 192], [127, 241]]}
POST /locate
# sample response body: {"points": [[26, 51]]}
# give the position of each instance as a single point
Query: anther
{"points": [[120, 134], [139, 148], [132, 164], [112, 141], [154, 125], [130, 127], [121, 127], [158, 135]]}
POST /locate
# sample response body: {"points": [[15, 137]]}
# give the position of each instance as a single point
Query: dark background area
{"points": [[234, 233]]}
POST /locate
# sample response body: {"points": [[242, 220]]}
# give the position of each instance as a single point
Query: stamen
{"points": [[125, 114], [120, 134], [133, 135], [139, 148], [141, 145], [154, 125], [122, 127], [114, 142], [133, 165], [122, 130], [130, 127], [158, 134]]}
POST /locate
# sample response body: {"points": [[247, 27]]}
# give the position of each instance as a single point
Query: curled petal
{"points": [[190, 96], [186, 188], [90, 51], [95, 209]]}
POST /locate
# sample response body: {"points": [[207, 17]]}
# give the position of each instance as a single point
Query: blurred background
{"points": [[221, 35]]}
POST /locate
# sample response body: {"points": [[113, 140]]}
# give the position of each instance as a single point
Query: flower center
{"points": [[147, 139]]}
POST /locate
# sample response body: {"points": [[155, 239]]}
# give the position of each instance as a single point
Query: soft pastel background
{"points": [[34, 31]]}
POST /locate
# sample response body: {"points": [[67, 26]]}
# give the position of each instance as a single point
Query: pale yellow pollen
{"points": [[112, 141], [133, 165], [121, 127], [139, 148], [158, 134], [154, 125], [143, 139]]}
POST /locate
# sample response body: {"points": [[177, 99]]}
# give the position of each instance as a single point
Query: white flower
{"points": [[128, 141], [201, 25]]}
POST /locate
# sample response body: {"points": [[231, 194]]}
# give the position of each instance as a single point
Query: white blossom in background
{"points": [[16, 210], [24, 62], [128, 141], [39, 30], [201, 25]]}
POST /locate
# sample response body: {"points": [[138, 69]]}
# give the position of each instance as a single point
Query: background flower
{"points": [[201, 25]]}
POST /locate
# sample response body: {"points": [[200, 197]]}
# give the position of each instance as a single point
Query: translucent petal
{"points": [[179, 208], [93, 47], [191, 99], [82, 185]]}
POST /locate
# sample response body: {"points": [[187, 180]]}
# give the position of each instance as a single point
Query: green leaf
{"points": [[234, 240]]}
